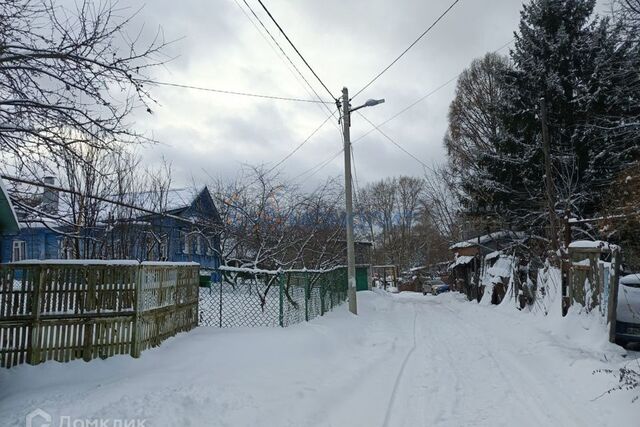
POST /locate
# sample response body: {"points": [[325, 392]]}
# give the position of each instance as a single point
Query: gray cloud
{"points": [[347, 43]]}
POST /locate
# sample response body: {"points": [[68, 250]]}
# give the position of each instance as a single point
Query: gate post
{"points": [[33, 351], [135, 335]]}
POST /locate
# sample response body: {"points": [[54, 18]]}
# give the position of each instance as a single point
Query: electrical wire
{"points": [[285, 158], [419, 100], [292, 68], [319, 166], [407, 49], [394, 142], [296, 49], [282, 50], [231, 92]]}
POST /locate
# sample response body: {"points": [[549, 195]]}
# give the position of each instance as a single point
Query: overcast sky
{"points": [[347, 43]]}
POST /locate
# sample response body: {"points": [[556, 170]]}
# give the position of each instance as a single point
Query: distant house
{"points": [[186, 228], [469, 258]]}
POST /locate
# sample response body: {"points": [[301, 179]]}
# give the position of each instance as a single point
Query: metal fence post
{"points": [[322, 280], [220, 305], [281, 287], [307, 292]]}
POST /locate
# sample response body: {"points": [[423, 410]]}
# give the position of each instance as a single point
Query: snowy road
{"points": [[407, 360]]}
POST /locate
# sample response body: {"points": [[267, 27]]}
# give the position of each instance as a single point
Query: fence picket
{"points": [[57, 311]]}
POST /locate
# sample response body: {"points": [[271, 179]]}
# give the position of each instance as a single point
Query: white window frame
{"points": [[199, 245], [21, 247], [210, 246], [186, 243], [65, 249], [164, 248]]}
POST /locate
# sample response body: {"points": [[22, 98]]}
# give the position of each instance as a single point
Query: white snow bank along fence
{"points": [[63, 310], [253, 298]]}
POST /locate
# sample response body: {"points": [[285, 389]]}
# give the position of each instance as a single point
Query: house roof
{"points": [[481, 240], [8, 217], [461, 260]]}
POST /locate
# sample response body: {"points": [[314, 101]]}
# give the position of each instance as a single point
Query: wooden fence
{"points": [[65, 310]]}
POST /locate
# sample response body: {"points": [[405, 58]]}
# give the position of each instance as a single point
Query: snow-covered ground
{"points": [[407, 359]]}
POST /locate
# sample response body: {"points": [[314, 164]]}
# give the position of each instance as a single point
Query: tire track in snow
{"points": [[394, 391]]}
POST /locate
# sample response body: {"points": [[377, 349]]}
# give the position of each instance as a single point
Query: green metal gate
{"points": [[362, 278]]}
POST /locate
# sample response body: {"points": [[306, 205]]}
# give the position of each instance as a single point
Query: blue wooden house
{"points": [[187, 229]]}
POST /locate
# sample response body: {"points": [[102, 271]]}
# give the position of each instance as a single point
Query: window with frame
{"points": [[164, 248], [65, 249], [199, 245], [19, 251], [211, 240], [186, 242]]}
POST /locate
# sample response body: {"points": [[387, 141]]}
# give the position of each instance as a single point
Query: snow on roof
{"points": [[631, 279], [592, 244], [38, 222], [461, 260], [8, 219], [173, 199], [502, 267], [481, 240], [492, 255]]}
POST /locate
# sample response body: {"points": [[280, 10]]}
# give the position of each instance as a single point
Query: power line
{"points": [[321, 165], [407, 49], [92, 196], [273, 48], [413, 104], [419, 100], [291, 67], [283, 52], [284, 159], [296, 49], [231, 92], [318, 166], [394, 142]]}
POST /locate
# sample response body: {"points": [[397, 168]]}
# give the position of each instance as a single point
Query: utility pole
{"points": [[351, 258], [549, 184]]}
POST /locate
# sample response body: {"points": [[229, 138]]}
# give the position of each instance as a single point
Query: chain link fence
{"points": [[252, 298]]}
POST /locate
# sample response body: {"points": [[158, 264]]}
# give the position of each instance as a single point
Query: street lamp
{"points": [[351, 258]]}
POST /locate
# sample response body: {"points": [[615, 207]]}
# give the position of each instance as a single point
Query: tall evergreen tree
{"points": [[580, 67]]}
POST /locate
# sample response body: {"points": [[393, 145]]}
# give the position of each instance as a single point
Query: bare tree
{"points": [[67, 78], [442, 202], [270, 224]]}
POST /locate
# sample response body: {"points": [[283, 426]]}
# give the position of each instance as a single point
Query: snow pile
{"points": [[406, 359], [497, 274]]}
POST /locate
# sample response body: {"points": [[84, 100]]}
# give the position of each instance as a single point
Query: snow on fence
{"points": [[252, 298], [63, 310]]}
